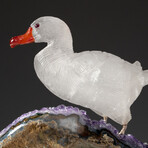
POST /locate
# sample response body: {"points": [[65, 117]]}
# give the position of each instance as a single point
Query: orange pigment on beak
{"points": [[22, 39]]}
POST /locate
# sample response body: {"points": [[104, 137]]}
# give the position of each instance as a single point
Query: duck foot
{"points": [[105, 119], [123, 129]]}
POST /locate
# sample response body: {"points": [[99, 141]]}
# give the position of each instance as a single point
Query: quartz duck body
{"points": [[101, 81]]}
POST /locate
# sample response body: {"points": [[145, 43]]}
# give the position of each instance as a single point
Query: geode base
{"points": [[63, 127], [50, 131]]}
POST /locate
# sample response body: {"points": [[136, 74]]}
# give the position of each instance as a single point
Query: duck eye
{"points": [[37, 25]]}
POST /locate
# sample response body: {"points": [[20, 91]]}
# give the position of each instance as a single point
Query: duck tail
{"points": [[145, 73]]}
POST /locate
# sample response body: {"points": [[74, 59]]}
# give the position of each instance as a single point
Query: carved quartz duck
{"points": [[101, 81]]}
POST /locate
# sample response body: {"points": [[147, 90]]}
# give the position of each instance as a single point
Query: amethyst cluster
{"points": [[63, 127]]}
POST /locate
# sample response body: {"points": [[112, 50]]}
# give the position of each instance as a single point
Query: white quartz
{"points": [[97, 80]]}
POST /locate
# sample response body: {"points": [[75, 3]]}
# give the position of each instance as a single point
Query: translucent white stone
{"points": [[94, 79]]}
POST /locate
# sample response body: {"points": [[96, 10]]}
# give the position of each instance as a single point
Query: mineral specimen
{"points": [[63, 127]]}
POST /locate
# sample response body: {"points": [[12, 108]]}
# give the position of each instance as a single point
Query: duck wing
{"points": [[105, 83]]}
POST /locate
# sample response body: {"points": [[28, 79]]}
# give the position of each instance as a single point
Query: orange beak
{"points": [[22, 39]]}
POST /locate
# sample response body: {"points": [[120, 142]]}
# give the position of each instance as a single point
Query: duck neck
{"points": [[62, 44]]}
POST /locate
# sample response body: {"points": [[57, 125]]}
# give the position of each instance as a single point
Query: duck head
{"points": [[50, 30]]}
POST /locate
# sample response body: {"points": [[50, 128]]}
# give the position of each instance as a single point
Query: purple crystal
{"points": [[72, 120]]}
